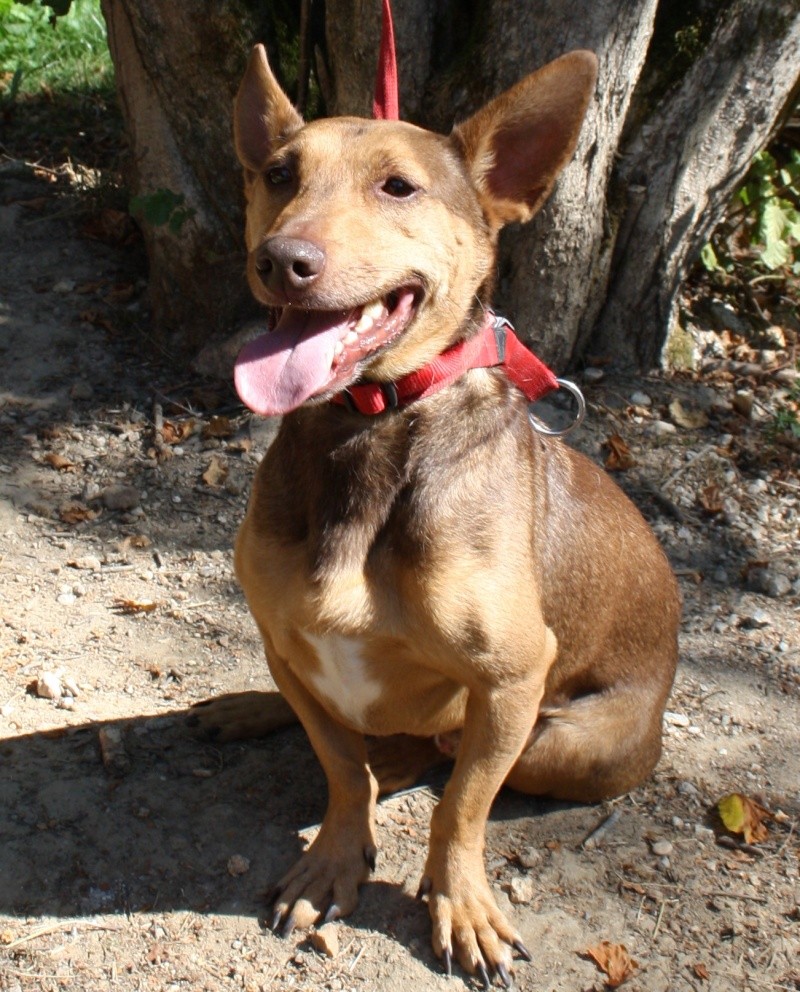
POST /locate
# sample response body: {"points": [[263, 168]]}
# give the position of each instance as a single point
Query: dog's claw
{"points": [[289, 925], [370, 856], [522, 950], [505, 978], [276, 920], [424, 888], [487, 982], [333, 913], [448, 962]]}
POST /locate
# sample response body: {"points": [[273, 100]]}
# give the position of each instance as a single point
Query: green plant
{"points": [[59, 44], [786, 419], [762, 229], [162, 208]]}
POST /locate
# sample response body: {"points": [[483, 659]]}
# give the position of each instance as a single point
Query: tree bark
{"points": [[681, 167], [599, 269]]}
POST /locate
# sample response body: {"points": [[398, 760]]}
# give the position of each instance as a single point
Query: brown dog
{"points": [[439, 570]]}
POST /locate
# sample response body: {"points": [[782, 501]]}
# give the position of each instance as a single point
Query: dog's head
{"points": [[375, 240]]}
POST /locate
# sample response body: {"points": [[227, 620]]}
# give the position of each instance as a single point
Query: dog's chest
{"points": [[343, 677]]}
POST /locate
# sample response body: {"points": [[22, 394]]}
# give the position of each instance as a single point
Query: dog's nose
{"points": [[289, 263]]}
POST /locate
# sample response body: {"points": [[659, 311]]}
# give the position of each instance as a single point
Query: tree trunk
{"points": [[599, 269]]}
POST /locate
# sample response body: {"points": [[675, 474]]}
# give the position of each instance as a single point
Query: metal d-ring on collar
{"points": [[580, 412]]}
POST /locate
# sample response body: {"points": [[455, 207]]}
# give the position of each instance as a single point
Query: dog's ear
{"points": [[518, 143], [263, 114]]}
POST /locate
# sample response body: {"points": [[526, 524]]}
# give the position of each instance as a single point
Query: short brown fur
{"points": [[492, 588]]}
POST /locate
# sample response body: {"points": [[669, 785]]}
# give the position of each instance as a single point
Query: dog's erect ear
{"points": [[519, 142], [263, 115]]}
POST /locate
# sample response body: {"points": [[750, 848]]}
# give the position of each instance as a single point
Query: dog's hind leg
{"points": [[400, 760], [591, 748], [239, 716]]}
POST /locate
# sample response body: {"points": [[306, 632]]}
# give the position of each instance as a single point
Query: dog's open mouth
{"points": [[311, 352]]}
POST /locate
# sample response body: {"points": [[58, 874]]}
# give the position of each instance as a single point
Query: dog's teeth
{"points": [[338, 348], [350, 338], [372, 310], [365, 323]]}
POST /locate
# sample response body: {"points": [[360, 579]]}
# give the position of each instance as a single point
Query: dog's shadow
{"points": [[169, 822]]}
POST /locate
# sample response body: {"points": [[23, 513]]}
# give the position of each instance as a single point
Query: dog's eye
{"points": [[398, 187], [278, 175]]}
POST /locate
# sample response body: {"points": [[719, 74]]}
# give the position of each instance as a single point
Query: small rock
{"points": [[731, 510], [686, 788], [86, 563], [662, 848], [787, 377], [641, 399], [725, 318], [676, 719], [755, 620], [768, 581], [326, 940], [661, 428], [90, 491], [531, 857], [120, 497], [592, 374], [743, 402], [66, 599], [775, 336], [238, 865], [64, 286], [112, 751], [48, 686], [65, 703], [767, 357], [520, 889]]}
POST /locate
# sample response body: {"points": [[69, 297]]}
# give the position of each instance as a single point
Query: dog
{"points": [[436, 576]]}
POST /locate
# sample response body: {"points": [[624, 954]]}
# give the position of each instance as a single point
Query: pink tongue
{"points": [[279, 371]]}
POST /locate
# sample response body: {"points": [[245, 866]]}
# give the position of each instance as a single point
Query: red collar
{"points": [[494, 346]]}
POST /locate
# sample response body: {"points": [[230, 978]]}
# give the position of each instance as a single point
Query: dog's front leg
{"points": [[324, 883], [466, 920]]}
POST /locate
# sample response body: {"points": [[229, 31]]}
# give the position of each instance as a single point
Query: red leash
{"points": [[386, 105]]}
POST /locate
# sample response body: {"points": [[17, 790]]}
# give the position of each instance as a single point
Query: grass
{"points": [[41, 54]]}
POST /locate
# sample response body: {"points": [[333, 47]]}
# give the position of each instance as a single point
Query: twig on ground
{"points": [[595, 838]]}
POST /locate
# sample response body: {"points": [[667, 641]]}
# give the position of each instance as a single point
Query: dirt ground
{"points": [[134, 856]]}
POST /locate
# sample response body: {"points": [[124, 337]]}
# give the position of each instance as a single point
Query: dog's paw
{"points": [[467, 925], [323, 885], [240, 716]]}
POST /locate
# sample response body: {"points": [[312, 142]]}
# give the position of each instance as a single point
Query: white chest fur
{"points": [[343, 677]]}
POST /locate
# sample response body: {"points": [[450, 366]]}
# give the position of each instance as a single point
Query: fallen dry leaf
{"points": [[240, 444], [614, 960], [216, 473], [700, 971], [710, 499], [59, 461], [742, 815], [90, 287], [219, 427], [135, 606], [619, 457], [121, 292], [113, 227], [76, 513], [134, 541], [97, 319], [175, 431], [686, 417]]}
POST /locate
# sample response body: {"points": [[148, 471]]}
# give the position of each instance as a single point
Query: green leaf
{"points": [[709, 258]]}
